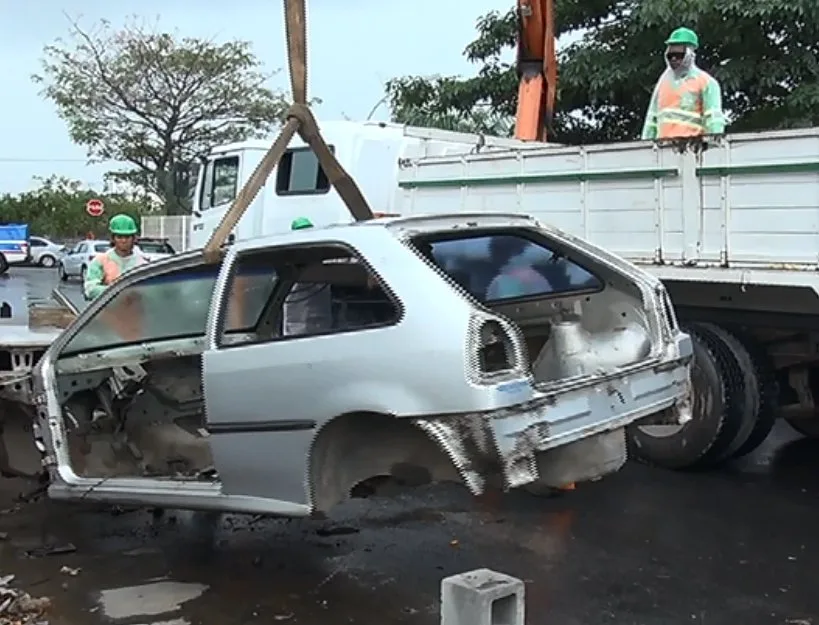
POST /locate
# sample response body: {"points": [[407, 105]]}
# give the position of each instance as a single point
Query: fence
{"points": [[174, 228]]}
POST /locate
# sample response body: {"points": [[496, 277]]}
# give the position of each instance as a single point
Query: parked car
{"points": [[75, 261], [154, 249], [14, 248], [186, 384], [44, 252]]}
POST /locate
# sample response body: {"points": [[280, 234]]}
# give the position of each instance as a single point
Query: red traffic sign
{"points": [[95, 208]]}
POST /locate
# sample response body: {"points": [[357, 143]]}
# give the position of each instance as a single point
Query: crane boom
{"points": [[537, 69]]}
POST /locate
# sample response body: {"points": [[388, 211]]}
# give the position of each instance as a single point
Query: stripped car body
{"points": [[180, 386]]}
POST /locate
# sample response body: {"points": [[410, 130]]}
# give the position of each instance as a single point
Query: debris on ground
{"points": [[67, 570], [18, 607], [51, 550]]}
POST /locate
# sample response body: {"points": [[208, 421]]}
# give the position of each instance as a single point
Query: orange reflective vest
{"points": [[124, 317], [680, 108]]}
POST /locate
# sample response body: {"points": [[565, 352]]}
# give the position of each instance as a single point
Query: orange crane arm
{"points": [[537, 69]]}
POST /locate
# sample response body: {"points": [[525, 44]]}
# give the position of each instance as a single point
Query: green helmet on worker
{"points": [[681, 50], [683, 37], [300, 223], [122, 225]]}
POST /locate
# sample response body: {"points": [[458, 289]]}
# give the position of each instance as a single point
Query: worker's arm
{"points": [[93, 281], [650, 126], [712, 108]]}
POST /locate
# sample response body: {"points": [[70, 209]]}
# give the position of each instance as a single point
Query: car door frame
{"points": [[45, 378], [234, 442]]}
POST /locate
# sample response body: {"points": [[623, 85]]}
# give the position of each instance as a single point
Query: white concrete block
{"points": [[482, 597]]}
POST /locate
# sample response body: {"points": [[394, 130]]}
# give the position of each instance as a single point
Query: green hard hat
{"points": [[123, 225], [683, 36], [300, 223]]}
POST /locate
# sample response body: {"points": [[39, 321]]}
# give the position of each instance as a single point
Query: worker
{"points": [[308, 307], [687, 101], [122, 256]]}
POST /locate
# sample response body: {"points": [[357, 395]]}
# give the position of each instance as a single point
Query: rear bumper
{"points": [[511, 438]]}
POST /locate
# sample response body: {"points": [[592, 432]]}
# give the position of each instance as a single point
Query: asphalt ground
{"points": [[646, 546]]}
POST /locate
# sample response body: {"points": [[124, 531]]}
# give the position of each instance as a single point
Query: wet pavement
{"points": [[643, 547]]}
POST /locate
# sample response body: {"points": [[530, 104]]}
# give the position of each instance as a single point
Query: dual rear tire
{"points": [[734, 400]]}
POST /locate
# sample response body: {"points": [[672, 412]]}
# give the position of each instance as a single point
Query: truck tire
{"points": [[716, 418], [748, 388], [4, 264], [768, 395]]}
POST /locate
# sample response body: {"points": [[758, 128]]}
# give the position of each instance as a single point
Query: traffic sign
{"points": [[95, 208]]}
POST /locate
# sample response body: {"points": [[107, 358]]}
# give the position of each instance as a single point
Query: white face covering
{"points": [[687, 62]]}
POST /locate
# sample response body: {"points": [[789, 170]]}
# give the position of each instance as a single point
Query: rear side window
{"points": [[220, 182], [155, 247], [299, 173], [506, 265], [102, 247]]}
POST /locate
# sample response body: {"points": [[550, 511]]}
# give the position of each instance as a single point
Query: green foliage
{"points": [[57, 209], [157, 101], [765, 53]]}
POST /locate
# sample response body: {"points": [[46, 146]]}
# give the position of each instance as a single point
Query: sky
{"points": [[354, 47]]}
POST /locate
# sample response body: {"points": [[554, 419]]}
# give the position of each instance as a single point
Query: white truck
{"points": [[732, 230]]}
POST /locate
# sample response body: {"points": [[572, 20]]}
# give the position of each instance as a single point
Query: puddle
{"points": [[148, 599]]}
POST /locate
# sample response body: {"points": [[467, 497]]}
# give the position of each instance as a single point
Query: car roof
{"points": [[416, 224]]}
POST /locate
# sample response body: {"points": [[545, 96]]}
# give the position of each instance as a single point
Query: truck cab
{"points": [[370, 152]]}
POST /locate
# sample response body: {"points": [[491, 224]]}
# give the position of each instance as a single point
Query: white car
{"points": [[44, 253], [484, 349], [75, 261], [154, 249]]}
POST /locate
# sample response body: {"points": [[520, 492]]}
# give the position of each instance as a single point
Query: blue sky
{"points": [[354, 48]]}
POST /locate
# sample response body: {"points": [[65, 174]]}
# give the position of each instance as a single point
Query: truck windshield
{"points": [[506, 265]]}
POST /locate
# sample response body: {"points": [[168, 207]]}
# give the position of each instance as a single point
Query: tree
{"points": [[57, 209], [765, 53], [156, 101]]}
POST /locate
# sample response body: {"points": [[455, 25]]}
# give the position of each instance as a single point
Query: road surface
{"points": [[643, 547]]}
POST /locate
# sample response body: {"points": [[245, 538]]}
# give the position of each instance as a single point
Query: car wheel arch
{"points": [[356, 447]]}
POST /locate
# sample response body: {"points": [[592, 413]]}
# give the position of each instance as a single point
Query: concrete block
{"points": [[482, 597]]}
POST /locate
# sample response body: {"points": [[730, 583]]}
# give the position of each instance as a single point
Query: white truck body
{"points": [[750, 203]]}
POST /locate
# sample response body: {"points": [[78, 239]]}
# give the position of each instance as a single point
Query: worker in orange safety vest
{"points": [[122, 256], [123, 315], [687, 101]]}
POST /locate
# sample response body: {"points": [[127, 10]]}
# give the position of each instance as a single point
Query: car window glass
{"points": [[503, 266], [152, 247], [327, 291], [36, 242], [299, 173], [102, 247], [82, 247], [225, 180]]}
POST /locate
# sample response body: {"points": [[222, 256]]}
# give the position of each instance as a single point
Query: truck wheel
{"points": [[809, 428], [747, 388], [4, 264], [768, 395], [716, 418]]}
